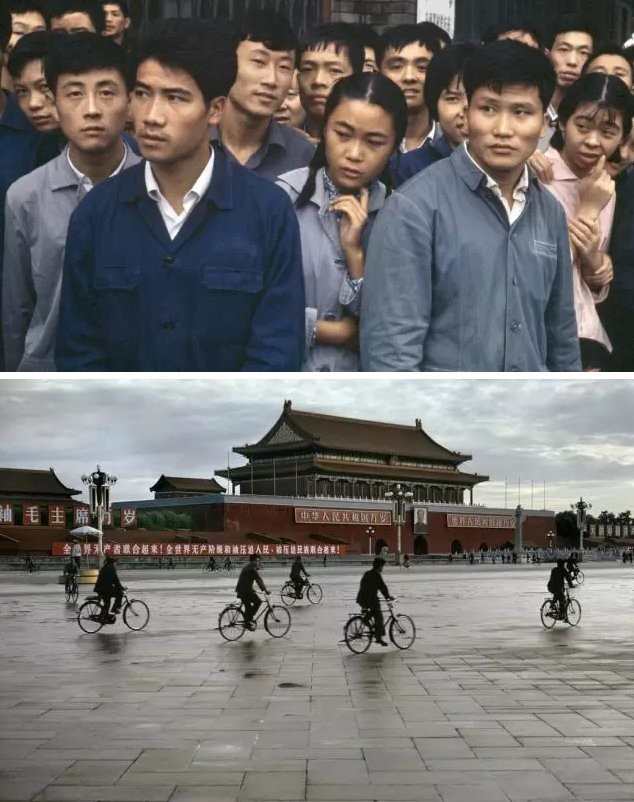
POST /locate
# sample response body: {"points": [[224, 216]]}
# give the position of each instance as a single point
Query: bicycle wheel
{"points": [[88, 617], [288, 594], [402, 631], [357, 634], [548, 614], [315, 594], [573, 612], [68, 594], [277, 621], [136, 614], [231, 622], [580, 578], [74, 593]]}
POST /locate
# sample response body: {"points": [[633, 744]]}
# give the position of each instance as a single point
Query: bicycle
{"points": [[91, 616], [314, 593], [550, 613], [72, 589], [232, 626], [578, 576], [360, 630]]}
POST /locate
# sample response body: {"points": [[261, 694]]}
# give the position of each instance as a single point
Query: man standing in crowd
{"points": [[407, 53], [186, 261], [27, 16], [89, 77], [468, 267], [77, 16], [325, 55], [266, 65], [117, 20]]}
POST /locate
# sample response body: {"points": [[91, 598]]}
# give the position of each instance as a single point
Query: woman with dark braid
{"points": [[337, 198]]}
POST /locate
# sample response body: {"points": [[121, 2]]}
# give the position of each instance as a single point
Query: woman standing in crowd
{"points": [[595, 120], [337, 198]]}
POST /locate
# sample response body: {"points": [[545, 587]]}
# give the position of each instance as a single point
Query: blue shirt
{"points": [[406, 165], [452, 285], [226, 294]]}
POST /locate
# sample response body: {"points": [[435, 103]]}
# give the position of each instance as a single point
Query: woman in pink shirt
{"points": [[595, 119]]}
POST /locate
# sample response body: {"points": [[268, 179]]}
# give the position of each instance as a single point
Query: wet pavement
{"points": [[486, 706]]}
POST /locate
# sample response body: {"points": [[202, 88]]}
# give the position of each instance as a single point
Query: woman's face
{"points": [[589, 134], [359, 139]]}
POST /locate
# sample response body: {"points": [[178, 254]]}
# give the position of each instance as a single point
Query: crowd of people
{"points": [[207, 196]]}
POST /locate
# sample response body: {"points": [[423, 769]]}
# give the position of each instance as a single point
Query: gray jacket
{"points": [[451, 286], [329, 294], [38, 209]]}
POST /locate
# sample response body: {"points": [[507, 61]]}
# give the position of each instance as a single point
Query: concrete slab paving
{"points": [[487, 706]]}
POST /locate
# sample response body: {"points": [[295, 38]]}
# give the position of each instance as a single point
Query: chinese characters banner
{"points": [[128, 517], [305, 515], [31, 515], [6, 514], [56, 515], [455, 520], [202, 549], [82, 516]]}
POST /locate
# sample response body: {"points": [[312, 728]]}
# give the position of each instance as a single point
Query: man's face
{"points": [[524, 37], [171, 118], [613, 65], [569, 53], [75, 22], [21, 24], [116, 22], [369, 60], [408, 69], [452, 112], [627, 158], [263, 80], [504, 128], [35, 98], [319, 71], [92, 109], [291, 112]]}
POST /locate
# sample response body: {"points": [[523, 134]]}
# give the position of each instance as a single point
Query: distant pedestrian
{"points": [[75, 552]]}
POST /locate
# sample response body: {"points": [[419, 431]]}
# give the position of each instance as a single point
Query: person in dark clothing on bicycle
{"points": [[70, 571], [368, 597], [572, 565], [297, 569], [108, 586], [244, 589], [557, 585], [211, 565]]}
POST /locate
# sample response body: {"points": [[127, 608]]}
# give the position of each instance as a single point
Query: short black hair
{"points": [[339, 34], [611, 49], [123, 5], [568, 23], [204, 49], [93, 8], [26, 6], [443, 69], [493, 32], [400, 36], [435, 30], [31, 47], [366, 35], [504, 63], [605, 92], [5, 26], [270, 28], [81, 53]]}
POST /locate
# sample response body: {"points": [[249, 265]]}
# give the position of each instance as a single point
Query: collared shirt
{"points": [[427, 138], [284, 149], [331, 293], [39, 207], [452, 285], [519, 191], [404, 166], [565, 186], [85, 183], [174, 221]]}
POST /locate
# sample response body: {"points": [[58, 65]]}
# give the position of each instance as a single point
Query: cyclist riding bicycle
{"points": [[211, 565], [244, 589], [368, 597], [297, 569], [557, 585], [108, 587], [70, 571], [572, 565]]}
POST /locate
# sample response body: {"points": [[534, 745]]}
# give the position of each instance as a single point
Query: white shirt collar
{"points": [[86, 182], [428, 138], [519, 191]]}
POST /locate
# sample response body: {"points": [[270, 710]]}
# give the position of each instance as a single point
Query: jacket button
{"points": [[516, 326], [168, 325], [168, 260]]}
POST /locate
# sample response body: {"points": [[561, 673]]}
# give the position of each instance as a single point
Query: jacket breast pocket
{"points": [[117, 277], [225, 304], [544, 257], [229, 279], [118, 301]]}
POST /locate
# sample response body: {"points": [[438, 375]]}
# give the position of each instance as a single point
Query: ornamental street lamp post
{"points": [[370, 533], [518, 544], [581, 508], [99, 484], [399, 498]]}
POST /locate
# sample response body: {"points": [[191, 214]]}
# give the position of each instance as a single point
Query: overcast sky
{"points": [[576, 435]]}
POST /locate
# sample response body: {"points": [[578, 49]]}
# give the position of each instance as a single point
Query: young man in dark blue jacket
{"points": [[187, 261]]}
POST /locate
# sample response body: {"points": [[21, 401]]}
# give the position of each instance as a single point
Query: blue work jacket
{"points": [[227, 294], [408, 164]]}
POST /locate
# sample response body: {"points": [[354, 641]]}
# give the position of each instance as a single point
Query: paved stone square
{"points": [[486, 706]]}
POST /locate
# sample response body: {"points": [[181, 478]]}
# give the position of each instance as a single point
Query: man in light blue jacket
{"points": [[468, 266]]}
